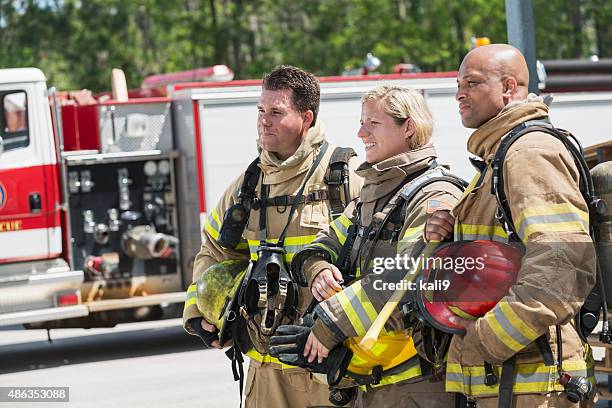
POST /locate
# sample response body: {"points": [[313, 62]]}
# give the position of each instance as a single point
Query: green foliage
{"points": [[77, 42]]}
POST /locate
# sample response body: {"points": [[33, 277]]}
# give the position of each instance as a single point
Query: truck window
{"points": [[14, 120]]}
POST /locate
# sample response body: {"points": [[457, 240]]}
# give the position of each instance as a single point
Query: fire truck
{"points": [[102, 200]]}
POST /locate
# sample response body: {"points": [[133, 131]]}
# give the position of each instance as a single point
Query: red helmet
{"points": [[465, 279]]}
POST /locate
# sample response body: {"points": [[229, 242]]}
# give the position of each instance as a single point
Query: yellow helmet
{"points": [[391, 349], [216, 287]]}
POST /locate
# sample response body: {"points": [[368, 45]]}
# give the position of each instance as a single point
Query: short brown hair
{"points": [[305, 89]]}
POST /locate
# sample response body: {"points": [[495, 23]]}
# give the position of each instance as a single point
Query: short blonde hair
{"points": [[402, 103]]}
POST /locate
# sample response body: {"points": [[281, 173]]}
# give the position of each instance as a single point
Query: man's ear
{"points": [[510, 86], [308, 118]]}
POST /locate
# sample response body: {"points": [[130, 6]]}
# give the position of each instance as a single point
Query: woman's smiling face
{"points": [[382, 135]]}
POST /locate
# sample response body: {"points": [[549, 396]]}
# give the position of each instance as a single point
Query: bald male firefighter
{"points": [[527, 351]]}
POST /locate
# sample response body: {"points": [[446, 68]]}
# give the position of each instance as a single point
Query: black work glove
{"points": [[207, 337], [288, 346]]}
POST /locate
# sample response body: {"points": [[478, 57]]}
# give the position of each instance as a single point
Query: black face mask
{"points": [[270, 298]]}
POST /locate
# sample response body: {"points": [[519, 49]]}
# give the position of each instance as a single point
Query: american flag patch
{"points": [[434, 205]]}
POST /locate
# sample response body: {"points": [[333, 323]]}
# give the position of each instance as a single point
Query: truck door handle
{"points": [[35, 203]]}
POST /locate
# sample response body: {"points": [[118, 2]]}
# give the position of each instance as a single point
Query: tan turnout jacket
{"points": [[284, 178], [352, 311], [558, 269]]}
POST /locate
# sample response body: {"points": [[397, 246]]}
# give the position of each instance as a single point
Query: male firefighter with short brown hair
{"points": [[512, 352], [286, 207]]}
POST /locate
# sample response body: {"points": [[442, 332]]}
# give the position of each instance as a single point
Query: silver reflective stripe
{"points": [[456, 377], [213, 223], [589, 372], [333, 254], [340, 229], [551, 219], [519, 378], [475, 237], [509, 329], [358, 307], [417, 182]]}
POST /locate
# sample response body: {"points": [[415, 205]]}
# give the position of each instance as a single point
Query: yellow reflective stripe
{"points": [[340, 227], [517, 322], [529, 378], [412, 372], [267, 359], [351, 314], [369, 309], [379, 348], [332, 254], [472, 232], [360, 306], [571, 226], [190, 296], [413, 234], [509, 328], [552, 209], [461, 313], [212, 224], [241, 246], [190, 302], [292, 245]]}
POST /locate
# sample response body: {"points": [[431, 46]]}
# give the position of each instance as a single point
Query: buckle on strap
{"points": [[263, 293], [490, 376], [335, 214], [366, 232], [283, 284], [377, 372]]}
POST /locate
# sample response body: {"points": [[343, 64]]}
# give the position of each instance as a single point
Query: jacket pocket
{"points": [[315, 214]]}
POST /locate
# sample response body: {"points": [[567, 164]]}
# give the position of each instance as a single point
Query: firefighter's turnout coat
{"points": [[558, 268], [350, 312], [283, 178]]}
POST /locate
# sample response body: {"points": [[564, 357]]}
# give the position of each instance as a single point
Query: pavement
{"points": [[150, 364]]}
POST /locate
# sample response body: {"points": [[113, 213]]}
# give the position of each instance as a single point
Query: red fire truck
{"points": [[101, 200]]}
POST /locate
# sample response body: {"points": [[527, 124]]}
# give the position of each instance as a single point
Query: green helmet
{"points": [[216, 287]]}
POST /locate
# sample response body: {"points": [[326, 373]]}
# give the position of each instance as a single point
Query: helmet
{"points": [[465, 279], [390, 350], [215, 288]]}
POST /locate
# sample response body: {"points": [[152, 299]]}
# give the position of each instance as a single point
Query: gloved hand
{"points": [[207, 337], [288, 346]]}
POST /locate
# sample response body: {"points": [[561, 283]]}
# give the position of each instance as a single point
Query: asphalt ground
{"points": [[149, 364]]}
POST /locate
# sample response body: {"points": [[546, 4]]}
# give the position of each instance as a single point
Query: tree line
{"points": [[77, 42]]}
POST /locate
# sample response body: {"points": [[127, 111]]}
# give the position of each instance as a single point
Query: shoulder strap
{"points": [[409, 190], [593, 303], [251, 176], [407, 193], [338, 174], [237, 216], [504, 214], [434, 175]]}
